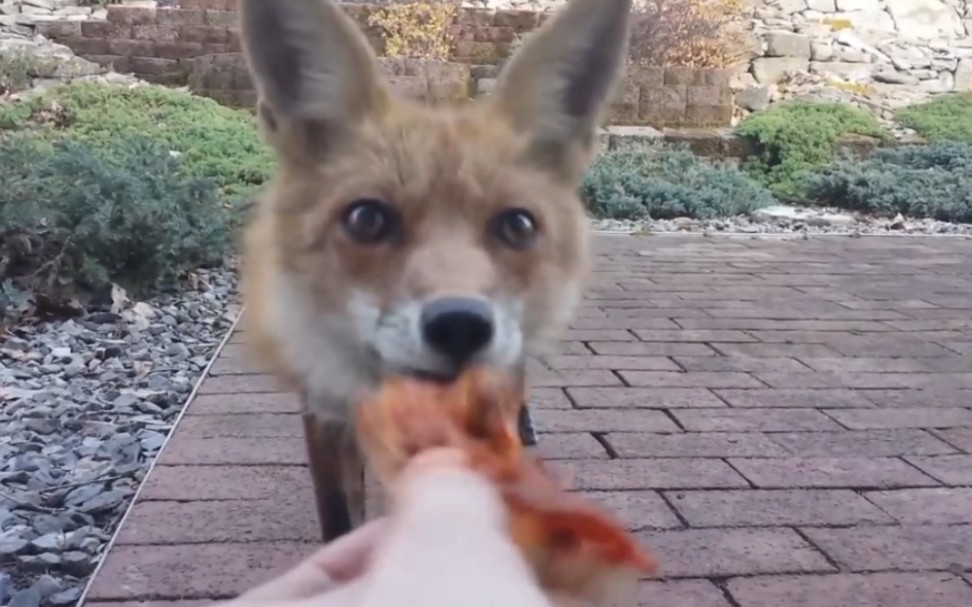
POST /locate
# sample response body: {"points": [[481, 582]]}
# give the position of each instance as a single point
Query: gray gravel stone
{"points": [[77, 563], [6, 587], [788, 220], [47, 585], [86, 405], [66, 597], [11, 545], [30, 597], [49, 542], [42, 562]]}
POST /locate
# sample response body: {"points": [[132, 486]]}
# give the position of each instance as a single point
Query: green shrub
{"points": [[945, 118], [15, 71], [917, 181], [213, 141], [665, 183], [75, 216], [796, 137]]}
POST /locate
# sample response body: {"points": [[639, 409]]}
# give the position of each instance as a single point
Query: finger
{"points": [[346, 557], [341, 560], [422, 565], [344, 595], [448, 544], [301, 581], [336, 596], [438, 488]]}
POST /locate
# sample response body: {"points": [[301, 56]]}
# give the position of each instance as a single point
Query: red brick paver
{"points": [[785, 422]]}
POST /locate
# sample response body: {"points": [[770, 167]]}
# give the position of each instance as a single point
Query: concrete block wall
{"points": [[196, 42]]}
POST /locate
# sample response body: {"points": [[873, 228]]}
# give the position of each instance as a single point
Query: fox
{"points": [[400, 237]]}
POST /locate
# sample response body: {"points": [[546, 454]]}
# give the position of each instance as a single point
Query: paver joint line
{"points": [[778, 420], [204, 376]]}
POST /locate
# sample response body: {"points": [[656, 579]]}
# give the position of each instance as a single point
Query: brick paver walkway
{"points": [[784, 422]]}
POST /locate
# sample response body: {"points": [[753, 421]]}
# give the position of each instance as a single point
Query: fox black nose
{"points": [[457, 327]]}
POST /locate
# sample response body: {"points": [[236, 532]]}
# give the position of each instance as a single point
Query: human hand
{"points": [[327, 578], [446, 543]]}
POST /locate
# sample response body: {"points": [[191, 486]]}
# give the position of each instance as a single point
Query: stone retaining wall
{"points": [[876, 54], [889, 52], [197, 43], [225, 78], [661, 97]]}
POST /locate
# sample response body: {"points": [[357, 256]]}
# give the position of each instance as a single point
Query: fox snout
{"points": [[441, 336], [401, 238], [457, 328]]}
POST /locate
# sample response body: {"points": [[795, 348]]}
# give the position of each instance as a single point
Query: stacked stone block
{"points": [[197, 43]]}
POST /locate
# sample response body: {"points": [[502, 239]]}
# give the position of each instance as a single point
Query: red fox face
{"points": [[420, 239]]}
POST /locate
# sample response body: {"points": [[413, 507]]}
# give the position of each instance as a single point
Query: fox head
{"points": [[430, 237]]}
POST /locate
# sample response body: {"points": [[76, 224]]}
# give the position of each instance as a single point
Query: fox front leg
{"points": [[528, 435], [524, 421], [337, 473]]}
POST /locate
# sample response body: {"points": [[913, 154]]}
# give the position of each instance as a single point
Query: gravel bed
{"points": [[85, 405], [790, 220]]}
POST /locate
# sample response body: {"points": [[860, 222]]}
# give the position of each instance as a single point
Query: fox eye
{"points": [[515, 228], [369, 221]]}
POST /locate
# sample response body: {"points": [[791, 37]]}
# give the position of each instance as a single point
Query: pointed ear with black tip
{"points": [[556, 87], [315, 73]]}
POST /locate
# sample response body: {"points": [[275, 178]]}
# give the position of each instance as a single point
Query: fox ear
{"points": [[313, 68], [555, 88]]}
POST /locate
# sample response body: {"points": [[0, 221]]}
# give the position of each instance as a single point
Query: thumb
{"points": [[342, 596], [331, 566], [438, 488], [448, 542]]}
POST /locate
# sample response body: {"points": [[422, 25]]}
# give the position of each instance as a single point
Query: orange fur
{"points": [[331, 310], [449, 173], [315, 299]]}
